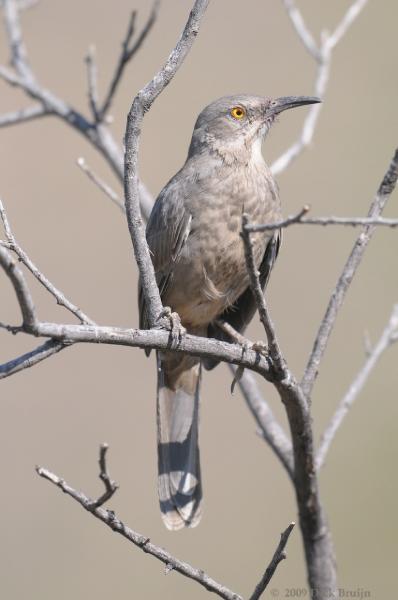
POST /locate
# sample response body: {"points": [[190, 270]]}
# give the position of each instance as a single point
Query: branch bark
{"points": [[279, 555], [278, 360], [30, 359], [109, 518], [141, 104]]}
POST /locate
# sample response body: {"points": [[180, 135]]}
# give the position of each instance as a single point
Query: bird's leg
{"points": [[245, 343], [240, 339], [172, 322]]}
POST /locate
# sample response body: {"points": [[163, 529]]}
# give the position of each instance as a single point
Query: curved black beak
{"points": [[281, 104]]}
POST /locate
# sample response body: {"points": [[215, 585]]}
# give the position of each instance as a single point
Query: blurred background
{"points": [[57, 413]]}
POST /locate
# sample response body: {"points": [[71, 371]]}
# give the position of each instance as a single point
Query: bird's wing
{"points": [[167, 231], [241, 313]]}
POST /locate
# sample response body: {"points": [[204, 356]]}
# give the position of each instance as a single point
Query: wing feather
{"points": [[167, 231], [242, 311]]}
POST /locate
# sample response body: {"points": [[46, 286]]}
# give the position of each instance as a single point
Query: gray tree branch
{"points": [[327, 324], [141, 104], [299, 219], [267, 423], [323, 57], [23, 115], [109, 518], [279, 555], [104, 187], [388, 337], [278, 360], [21, 289], [128, 52], [61, 299], [97, 133], [30, 359]]}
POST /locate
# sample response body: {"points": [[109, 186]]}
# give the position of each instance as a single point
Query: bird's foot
{"points": [[260, 347], [174, 326]]}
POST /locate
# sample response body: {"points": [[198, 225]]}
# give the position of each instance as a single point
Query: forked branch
{"points": [[171, 563]]}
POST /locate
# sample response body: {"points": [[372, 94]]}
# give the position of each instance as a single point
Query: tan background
{"points": [[57, 413]]}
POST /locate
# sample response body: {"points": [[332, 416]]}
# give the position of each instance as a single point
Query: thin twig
{"points": [[98, 134], [100, 183], [30, 358], [301, 29], [269, 427], [23, 115], [292, 219], [17, 46], [128, 53], [92, 82], [346, 22], [111, 520], [299, 220], [141, 104], [110, 485], [323, 57], [279, 555], [273, 345], [387, 338], [21, 289], [24, 258], [158, 339], [327, 324]]}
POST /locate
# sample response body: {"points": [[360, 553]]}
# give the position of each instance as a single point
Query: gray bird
{"points": [[194, 238]]}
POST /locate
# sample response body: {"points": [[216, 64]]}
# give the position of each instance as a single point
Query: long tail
{"points": [[179, 482]]}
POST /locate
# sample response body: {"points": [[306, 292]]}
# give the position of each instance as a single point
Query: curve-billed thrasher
{"points": [[198, 256]]}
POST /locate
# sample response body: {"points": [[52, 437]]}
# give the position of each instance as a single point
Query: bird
{"points": [[193, 235]]}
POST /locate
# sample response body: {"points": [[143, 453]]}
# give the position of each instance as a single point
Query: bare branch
{"points": [[385, 190], [98, 134], [274, 349], [110, 485], [92, 82], [111, 520], [292, 219], [346, 22], [18, 50], [323, 56], [24, 258], [21, 289], [101, 184], [298, 219], [142, 103], [279, 555], [23, 115], [387, 338], [30, 358], [269, 427], [301, 29], [310, 121], [158, 339], [128, 53]]}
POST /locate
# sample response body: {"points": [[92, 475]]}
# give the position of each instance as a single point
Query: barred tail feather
{"points": [[179, 481]]}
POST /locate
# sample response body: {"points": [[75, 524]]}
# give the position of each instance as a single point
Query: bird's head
{"points": [[236, 125]]}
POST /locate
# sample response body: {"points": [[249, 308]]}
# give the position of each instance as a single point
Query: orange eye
{"points": [[238, 112]]}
